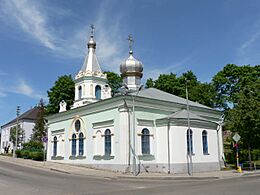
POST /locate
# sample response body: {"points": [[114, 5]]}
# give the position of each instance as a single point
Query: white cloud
{"points": [[2, 93], [28, 14], [29, 18], [254, 37], [24, 89], [174, 68]]}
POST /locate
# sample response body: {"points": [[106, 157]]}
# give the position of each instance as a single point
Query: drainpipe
{"points": [[168, 143]]}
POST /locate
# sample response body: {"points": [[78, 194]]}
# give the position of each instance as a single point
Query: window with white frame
{"points": [[98, 92], [80, 92], [205, 142], [189, 141], [145, 141], [73, 145], [108, 142], [55, 142], [81, 144]]}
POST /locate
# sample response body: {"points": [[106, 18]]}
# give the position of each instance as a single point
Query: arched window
{"points": [[80, 92], [189, 142], [108, 142], [77, 125], [73, 145], [81, 144], [98, 92], [205, 142], [55, 141], [145, 141]]}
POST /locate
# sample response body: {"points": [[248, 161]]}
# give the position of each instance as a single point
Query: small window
{"points": [[73, 145], [189, 142], [81, 144], [80, 92], [98, 92], [205, 142], [55, 146], [145, 141], [108, 142], [77, 125]]}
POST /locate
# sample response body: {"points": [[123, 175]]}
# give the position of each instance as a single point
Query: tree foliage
{"points": [[239, 96], [63, 89], [20, 135], [40, 129], [230, 81], [198, 92], [114, 81]]}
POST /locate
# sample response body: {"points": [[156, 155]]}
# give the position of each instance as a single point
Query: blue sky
{"points": [[41, 40]]}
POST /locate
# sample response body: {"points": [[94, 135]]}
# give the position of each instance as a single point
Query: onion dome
{"points": [[131, 67]]}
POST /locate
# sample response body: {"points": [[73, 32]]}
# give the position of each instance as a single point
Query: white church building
{"points": [[138, 130]]}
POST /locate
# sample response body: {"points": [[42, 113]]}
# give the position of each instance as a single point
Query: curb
{"points": [[60, 171], [167, 178]]}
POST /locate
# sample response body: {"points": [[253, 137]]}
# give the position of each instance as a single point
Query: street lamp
{"points": [[190, 166], [133, 94], [16, 132]]}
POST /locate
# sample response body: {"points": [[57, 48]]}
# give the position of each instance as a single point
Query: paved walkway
{"points": [[83, 170]]}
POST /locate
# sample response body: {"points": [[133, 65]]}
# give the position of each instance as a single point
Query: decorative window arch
{"points": [[108, 142], [81, 144], [189, 142], [55, 142], [205, 142], [80, 92], [98, 92], [145, 137], [73, 145]]}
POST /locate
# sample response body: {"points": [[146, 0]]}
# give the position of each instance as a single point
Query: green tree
{"points": [[114, 81], [63, 89], [199, 92], [40, 129], [20, 135], [149, 83], [238, 95], [168, 83], [230, 81], [244, 117]]}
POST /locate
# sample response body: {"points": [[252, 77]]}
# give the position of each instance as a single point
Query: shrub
{"points": [[36, 155], [18, 153], [33, 146], [25, 154]]}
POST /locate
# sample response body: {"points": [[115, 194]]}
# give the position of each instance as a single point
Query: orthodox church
{"points": [[136, 130]]}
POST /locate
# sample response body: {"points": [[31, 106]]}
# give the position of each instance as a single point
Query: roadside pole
{"points": [[45, 141], [16, 131], [236, 138]]}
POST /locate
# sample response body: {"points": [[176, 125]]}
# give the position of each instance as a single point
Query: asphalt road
{"points": [[16, 179]]}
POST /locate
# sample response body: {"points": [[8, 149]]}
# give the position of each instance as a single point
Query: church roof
{"points": [[183, 114], [91, 63], [164, 96], [28, 115]]}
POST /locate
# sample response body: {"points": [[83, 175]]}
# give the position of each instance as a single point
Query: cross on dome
{"points": [[130, 41], [92, 29]]}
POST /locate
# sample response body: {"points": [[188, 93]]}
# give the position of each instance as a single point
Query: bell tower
{"points": [[91, 83]]}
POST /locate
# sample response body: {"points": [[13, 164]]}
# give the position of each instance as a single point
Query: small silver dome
{"points": [[91, 42], [131, 67]]}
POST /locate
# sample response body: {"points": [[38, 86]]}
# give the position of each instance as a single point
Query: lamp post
{"points": [[190, 166], [16, 132], [133, 94], [134, 128]]}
